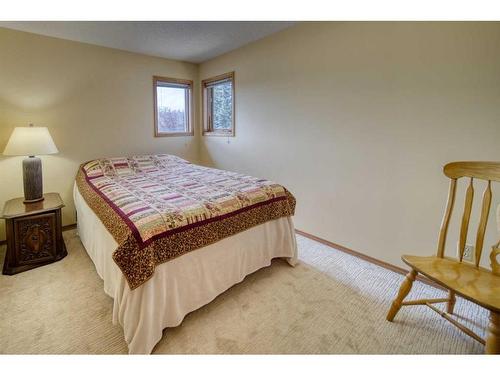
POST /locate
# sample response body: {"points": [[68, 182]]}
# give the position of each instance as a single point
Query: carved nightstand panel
{"points": [[34, 233], [35, 238]]}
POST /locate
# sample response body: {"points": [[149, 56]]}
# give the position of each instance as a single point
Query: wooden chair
{"points": [[472, 282]]}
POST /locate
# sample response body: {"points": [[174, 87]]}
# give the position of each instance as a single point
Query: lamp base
{"points": [[33, 200], [32, 180]]}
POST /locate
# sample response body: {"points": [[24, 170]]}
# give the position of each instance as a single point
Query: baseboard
{"points": [[64, 228], [367, 258], [69, 227]]}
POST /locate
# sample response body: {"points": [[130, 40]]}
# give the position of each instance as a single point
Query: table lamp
{"points": [[30, 141]]}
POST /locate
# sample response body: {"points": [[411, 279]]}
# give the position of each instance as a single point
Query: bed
{"points": [[167, 236]]}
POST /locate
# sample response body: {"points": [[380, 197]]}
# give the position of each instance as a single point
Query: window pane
{"points": [[222, 106], [171, 102]]}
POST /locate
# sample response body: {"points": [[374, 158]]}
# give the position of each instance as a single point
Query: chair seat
{"points": [[478, 285]]}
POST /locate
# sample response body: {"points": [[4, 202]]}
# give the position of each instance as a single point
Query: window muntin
{"points": [[218, 105], [173, 102]]}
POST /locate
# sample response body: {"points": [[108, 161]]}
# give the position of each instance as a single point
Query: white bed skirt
{"points": [[183, 284]]}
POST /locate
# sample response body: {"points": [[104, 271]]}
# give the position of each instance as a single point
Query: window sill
{"points": [[185, 134], [218, 134]]}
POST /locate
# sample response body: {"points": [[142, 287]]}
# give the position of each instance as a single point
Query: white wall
{"points": [[357, 120]]}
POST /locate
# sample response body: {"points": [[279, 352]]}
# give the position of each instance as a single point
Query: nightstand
{"points": [[34, 233]]}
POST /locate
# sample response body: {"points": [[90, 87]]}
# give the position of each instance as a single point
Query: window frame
{"points": [[206, 113], [189, 106]]}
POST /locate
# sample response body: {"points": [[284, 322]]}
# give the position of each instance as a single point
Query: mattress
{"points": [[182, 284]]}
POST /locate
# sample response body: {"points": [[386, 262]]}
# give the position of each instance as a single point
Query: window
{"points": [[173, 103], [218, 105]]}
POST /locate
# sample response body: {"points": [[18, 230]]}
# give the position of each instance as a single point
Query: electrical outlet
{"points": [[469, 252]]}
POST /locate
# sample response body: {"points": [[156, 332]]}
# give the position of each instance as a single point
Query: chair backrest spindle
{"points": [[485, 211], [446, 218], [469, 196]]}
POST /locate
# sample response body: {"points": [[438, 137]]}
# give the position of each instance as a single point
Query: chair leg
{"points": [[403, 292], [493, 334], [450, 305]]}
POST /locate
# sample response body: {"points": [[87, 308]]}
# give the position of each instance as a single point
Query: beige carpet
{"points": [[330, 303]]}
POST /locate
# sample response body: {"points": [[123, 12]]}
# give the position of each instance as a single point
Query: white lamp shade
{"points": [[30, 141]]}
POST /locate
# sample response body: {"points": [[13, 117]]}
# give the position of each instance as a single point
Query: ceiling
{"points": [[191, 41]]}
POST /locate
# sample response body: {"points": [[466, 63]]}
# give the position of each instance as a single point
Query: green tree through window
{"points": [[222, 102], [218, 105]]}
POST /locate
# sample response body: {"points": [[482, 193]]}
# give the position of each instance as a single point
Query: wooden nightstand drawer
{"points": [[35, 239]]}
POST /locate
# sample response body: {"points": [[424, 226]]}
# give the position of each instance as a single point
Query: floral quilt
{"points": [[158, 207]]}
